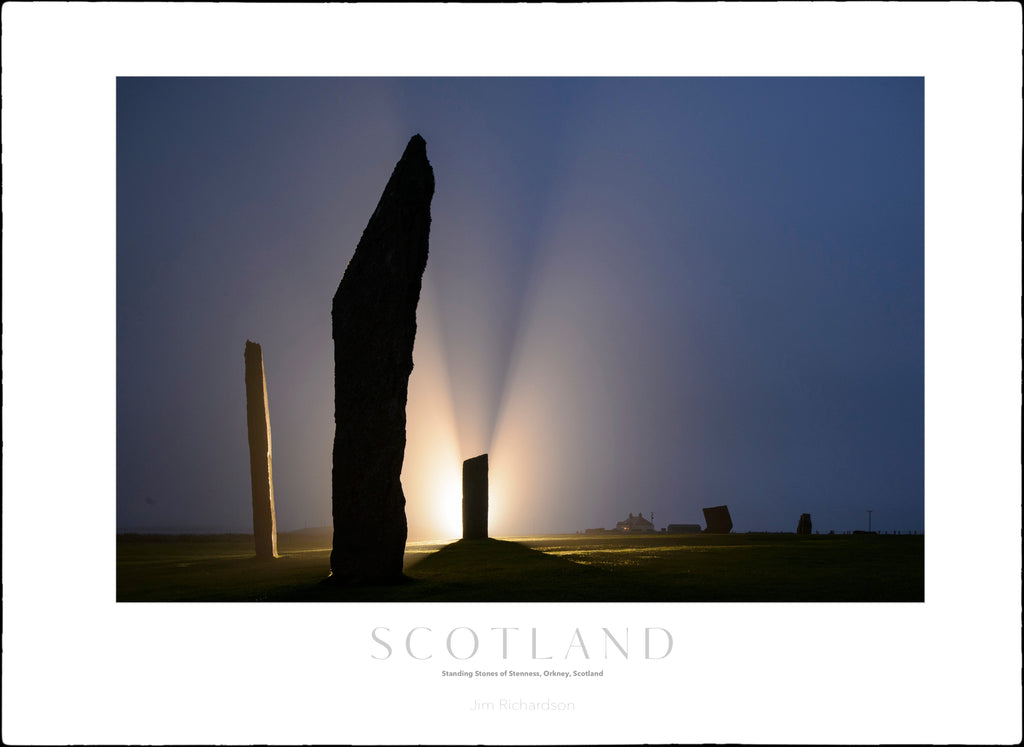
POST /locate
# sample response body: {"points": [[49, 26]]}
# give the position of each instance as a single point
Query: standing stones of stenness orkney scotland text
{"points": [[257, 410], [373, 320]]}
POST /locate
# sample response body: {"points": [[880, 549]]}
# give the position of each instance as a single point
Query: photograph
{"points": [[520, 339]]}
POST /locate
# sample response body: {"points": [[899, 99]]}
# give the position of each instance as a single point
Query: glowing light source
{"points": [[447, 500], [431, 472]]}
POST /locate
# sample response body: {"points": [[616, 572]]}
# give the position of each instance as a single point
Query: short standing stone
{"points": [[718, 520], [474, 498], [261, 471], [373, 322]]}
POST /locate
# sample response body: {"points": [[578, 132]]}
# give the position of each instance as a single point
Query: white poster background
{"points": [[77, 667]]}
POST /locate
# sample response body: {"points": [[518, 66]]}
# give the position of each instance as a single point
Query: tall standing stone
{"points": [[474, 498], [257, 410], [804, 525], [373, 321]]}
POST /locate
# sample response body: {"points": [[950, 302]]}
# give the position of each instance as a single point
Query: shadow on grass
{"points": [[726, 568], [486, 570]]}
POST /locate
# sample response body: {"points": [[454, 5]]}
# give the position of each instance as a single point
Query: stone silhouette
{"points": [[718, 520], [474, 498], [804, 525], [261, 472], [373, 321]]}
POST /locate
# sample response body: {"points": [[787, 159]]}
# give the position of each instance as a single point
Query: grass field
{"points": [[553, 568]]}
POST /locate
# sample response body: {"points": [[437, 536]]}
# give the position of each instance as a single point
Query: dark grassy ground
{"points": [[556, 568]]}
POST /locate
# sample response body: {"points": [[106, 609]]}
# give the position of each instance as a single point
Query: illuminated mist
{"points": [[642, 295]]}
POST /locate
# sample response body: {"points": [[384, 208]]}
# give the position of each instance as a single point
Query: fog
{"points": [[642, 295]]}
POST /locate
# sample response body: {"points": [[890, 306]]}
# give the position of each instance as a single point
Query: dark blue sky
{"points": [[643, 294]]}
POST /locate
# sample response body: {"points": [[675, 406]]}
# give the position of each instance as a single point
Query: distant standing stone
{"points": [[261, 472], [474, 498], [804, 525], [374, 326], [718, 520]]}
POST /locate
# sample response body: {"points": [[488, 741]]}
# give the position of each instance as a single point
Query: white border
{"points": [[79, 668]]}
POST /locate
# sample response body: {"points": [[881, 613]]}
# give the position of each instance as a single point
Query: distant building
{"points": [[635, 524], [684, 528]]}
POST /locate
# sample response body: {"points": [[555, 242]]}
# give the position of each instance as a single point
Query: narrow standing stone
{"points": [[373, 320], [474, 498], [264, 523]]}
